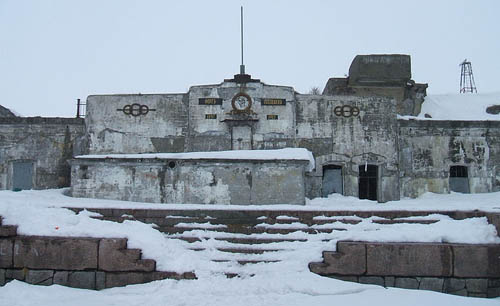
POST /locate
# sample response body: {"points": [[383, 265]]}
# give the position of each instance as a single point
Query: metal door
{"points": [[242, 138], [332, 180], [22, 175]]}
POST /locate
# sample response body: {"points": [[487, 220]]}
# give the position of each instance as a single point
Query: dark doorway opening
{"points": [[332, 180], [368, 175], [459, 179], [22, 175]]}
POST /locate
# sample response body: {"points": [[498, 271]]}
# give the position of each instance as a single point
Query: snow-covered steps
{"points": [[246, 242]]}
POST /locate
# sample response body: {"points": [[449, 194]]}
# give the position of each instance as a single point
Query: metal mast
{"points": [[242, 66], [467, 83]]}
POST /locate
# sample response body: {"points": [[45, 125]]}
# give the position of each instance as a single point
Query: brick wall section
{"points": [[462, 269], [88, 263]]}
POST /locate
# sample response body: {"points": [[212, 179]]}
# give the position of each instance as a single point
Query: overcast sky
{"points": [[53, 52]]}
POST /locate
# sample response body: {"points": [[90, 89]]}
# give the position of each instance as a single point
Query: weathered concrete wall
{"points": [[217, 134], [370, 137], [385, 75], [428, 148], [190, 181], [461, 269], [136, 123], [47, 142]]}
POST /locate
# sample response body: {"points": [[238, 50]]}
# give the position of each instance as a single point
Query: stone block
{"points": [[410, 259], [350, 259], [476, 285], [55, 253], [6, 248], [453, 284], [40, 277], [492, 282], [477, 261], [8, 231], [493, 292], [478, 295], [462, 292], [406, 283], [346, 278], [390, 281], [76, 279], [100, 280], [114, 256], [61, 278], [129, 278], [373, 280], [2, 277], [19, 274], [82, 279], [431, 283]]}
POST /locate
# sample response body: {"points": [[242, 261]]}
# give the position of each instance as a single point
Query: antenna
{"points": [[467, 83], [242, 66]]}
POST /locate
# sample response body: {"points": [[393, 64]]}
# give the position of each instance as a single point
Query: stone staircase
{"points": [[234, 240]]}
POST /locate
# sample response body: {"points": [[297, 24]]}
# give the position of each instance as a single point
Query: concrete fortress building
{"points": [[136, 147]]}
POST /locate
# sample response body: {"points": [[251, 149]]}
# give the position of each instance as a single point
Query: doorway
{"points": [[459, 179], [22, 175], [241, 137], [368, 182], [332, 180]]}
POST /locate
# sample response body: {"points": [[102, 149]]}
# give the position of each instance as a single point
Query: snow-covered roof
{"points": [[279, 154], [460, 106]]}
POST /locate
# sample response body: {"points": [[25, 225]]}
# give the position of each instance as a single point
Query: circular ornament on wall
{"points": [[241, 102]]}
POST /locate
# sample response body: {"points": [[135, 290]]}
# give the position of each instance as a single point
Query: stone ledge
{"points": [[460, 269], [477, 260], [411, 259], [350, 259], [115, 257], [55, 253]]}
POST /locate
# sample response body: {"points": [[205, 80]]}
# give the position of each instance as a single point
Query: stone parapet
{"points": [[462, 269], [87, 263]]}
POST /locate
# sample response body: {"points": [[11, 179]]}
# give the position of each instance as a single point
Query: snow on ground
{"points": [[458, 107], [288, 282]]}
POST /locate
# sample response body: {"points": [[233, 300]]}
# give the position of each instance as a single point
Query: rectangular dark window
{"points": [[210, 116], [368, 176], [272, 117], [458, 171]]}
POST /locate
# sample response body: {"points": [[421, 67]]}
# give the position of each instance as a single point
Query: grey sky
{"points": [[52, 52]]}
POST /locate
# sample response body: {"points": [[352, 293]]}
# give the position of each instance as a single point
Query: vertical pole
{"points": [[242, 66], [77, 108]]}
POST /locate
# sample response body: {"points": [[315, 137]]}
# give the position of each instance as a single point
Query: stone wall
{"points": [[190, 181], [369, 136], [429, 147], [46, 143], [88, 263], [462, 269], [136, 123]]}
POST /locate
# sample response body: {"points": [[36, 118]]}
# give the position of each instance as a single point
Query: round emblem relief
{"points": [[241, 102]]}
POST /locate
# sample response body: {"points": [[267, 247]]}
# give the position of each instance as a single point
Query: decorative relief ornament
{"points": [[241, 102]]}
